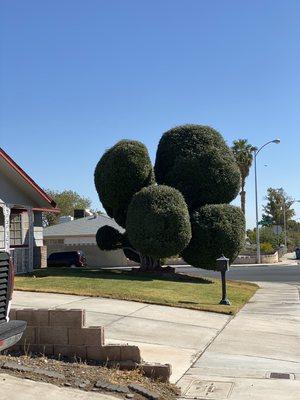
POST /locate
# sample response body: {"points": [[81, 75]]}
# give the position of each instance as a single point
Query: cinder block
{"points": [[34, 317], [102, 333], [104, 353], [93, 336], [23, 314], [52, 335], [46, 349], [29, 336], [157, 371], [70, 351], [130, 353], [12, 314], [67, 318]]}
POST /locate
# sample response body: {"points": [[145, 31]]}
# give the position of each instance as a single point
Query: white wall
{"points": [[80, 240]]}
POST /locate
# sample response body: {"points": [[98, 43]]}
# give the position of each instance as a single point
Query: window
{"points": [[15, 230]]}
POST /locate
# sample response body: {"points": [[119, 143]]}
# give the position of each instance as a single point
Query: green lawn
{"points": [[182, 291]]}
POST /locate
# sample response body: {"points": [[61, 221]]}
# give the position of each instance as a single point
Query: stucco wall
{"points": [[12, 194]]}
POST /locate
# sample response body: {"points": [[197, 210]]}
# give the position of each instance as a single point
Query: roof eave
{"points": [[29, 180]]}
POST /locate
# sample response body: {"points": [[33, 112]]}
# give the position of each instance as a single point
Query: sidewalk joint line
{"points": [[207, 346]]}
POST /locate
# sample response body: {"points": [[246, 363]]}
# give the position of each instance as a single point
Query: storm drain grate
{"points": [[280, 375]]}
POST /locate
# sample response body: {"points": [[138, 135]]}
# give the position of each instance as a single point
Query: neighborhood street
{"points": [[263, 273]]}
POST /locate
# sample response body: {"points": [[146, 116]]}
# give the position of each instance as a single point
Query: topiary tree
{"points": [[186, 212], [122, 171], [109, 238], [216, 229], [158, 222], [196, 160]]}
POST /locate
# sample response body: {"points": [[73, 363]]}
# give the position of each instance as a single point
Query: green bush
{"points": [[158, 222], [266, 235], [109, 238], [217, 229], [122, 171], [267, 248], [196, 160]]}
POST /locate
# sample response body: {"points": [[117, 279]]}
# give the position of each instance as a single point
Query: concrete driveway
{"points": [[257, 355], [164, 334]]}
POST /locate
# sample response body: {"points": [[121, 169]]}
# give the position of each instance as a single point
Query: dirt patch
{"points": [[85, 376]]}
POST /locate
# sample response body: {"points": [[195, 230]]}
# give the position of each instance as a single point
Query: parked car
{"points": [[70, 259], [10, 331]]}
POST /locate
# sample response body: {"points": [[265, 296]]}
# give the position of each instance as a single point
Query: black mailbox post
{"points": [[223, 267]]}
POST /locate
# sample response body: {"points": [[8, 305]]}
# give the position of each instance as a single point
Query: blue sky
{"points": [[77, 76]]}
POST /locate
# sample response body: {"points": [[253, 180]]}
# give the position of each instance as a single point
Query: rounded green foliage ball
{"points": [[158, 223], [109, 238], [196, 160], [217, 229], [121, 172]]}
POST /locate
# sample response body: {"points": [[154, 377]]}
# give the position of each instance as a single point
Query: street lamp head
{"points": [[277, 141]]}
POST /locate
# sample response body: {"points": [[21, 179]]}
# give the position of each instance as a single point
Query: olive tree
{"points": [[184, 210]]}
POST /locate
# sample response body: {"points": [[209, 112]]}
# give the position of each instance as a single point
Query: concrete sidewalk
{"points": [[13, 388], [263, 338], [164, 334]]}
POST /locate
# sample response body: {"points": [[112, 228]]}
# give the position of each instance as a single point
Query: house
{"points": [[22, 203], [80, 234]]}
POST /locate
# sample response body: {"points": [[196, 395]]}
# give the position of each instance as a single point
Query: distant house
{"points": [[80, 234], [22, 203]]}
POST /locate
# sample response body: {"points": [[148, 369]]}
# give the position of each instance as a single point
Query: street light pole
{"points": [[256, 206], [284, 224], [258, 257]]}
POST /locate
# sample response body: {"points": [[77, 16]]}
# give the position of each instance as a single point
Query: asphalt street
{"points": [[264, 273]]}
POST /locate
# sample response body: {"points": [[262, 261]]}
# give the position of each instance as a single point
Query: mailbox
{"points": [[222, 264]]}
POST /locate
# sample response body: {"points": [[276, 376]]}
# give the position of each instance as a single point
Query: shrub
{"points": [[267, 248], [122, 171], [216, 229], [158, 222], [109, 238], [267, 235], [196, 160]]}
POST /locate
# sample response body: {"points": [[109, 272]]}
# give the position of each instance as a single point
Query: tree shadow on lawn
{"points": [[116, 275]]}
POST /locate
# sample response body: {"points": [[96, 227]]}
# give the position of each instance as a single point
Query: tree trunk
{"points": [[150, 264], [243, 198]]}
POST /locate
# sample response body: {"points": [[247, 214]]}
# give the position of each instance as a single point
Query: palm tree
{"points": [[243, 153]]}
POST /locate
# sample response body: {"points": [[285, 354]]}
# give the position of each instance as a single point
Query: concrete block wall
{"points": [[251, 259], [62, 332], [40, 257]]}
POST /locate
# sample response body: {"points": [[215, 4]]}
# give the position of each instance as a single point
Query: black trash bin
{"points": [[297, 251]]}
